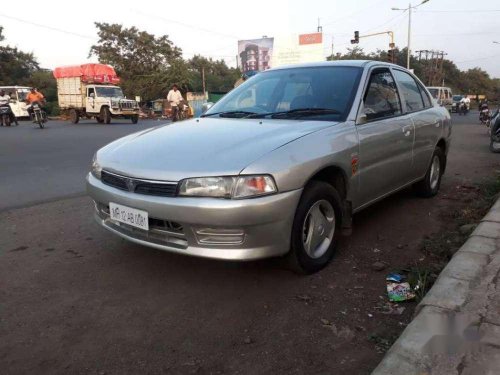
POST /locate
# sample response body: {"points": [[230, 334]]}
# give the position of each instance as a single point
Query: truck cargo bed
{"points": [[70, 92]]}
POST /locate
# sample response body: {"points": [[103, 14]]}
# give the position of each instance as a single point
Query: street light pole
{"points": [[409, 9], [409, 38]]}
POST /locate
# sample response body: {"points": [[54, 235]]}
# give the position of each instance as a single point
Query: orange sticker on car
{"points": [[354, 164]]}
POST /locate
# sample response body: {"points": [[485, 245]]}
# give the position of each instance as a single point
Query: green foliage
{"points": [[218, 76], [15, 66], [148, 65], [472, 82]]}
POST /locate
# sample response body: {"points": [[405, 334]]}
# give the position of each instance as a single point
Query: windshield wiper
{"points": [[235, 114], [298, 112]]}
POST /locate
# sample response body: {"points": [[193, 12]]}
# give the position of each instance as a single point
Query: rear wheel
{"points": [[6, 120], [105, 115], [494, 146], [73, 116], [39, 119], [429, 186], [315, 228]]}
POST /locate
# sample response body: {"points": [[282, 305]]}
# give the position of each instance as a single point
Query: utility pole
{"points": [[409, 9], [320, 28], [203, 80]]}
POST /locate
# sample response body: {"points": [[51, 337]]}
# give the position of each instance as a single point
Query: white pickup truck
{"points": [[87, 91]]}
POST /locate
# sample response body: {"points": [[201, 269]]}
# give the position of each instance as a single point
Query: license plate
{"points": [[131, 216]]}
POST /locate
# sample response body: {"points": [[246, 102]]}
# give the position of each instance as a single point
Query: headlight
{"points": [[228, 187], [96, 168]]}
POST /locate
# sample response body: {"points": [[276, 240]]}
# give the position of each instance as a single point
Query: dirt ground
{"points": [[76, 300]]}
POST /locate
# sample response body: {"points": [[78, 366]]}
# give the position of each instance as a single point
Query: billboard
{"points": [[296, 49], [255, 54]]}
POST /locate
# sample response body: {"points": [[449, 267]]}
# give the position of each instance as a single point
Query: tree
{"points": [[16, 66], [143, 61], [218, 76]]}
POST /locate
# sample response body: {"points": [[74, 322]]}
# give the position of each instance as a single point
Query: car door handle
{"points": [[407, 131]]}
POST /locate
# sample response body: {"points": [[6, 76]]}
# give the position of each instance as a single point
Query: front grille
{"points": [[127, 105], [114, 180], [163, 190], [138, 186]]}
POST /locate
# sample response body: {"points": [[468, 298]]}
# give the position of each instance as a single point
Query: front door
{"points": [[90, 105], [386, 139]]}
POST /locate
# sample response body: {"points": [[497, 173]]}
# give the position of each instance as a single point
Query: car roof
{"points": [[355, 63]]}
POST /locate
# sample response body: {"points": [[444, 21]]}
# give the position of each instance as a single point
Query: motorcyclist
{"points": [[464, 103], [35, 97], [5, 102], [483, 110], [175, 98]]}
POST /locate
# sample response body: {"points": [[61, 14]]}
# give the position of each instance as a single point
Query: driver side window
{"points": [[91, 92], [381, 98]]}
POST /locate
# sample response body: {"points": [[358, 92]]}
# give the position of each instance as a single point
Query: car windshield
{"points": [[109, 92], [316, 93], [434, 93]]}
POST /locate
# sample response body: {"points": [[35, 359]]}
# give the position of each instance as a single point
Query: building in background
{"points": [[255, 54]]}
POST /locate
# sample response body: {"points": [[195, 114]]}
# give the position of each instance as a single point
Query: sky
{"points": [[60, 33]]}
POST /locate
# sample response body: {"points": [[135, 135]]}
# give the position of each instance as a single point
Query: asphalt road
{"points": [[76, 299], [39, 165]]}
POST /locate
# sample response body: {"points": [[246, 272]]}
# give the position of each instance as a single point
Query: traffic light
{"points": [[356, 38], [391, 55]]}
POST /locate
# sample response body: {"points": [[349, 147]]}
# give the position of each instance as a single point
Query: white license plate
{"points": [[131, 216]]}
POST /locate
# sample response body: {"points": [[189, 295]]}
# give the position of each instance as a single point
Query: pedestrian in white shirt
{"points": [[174, 97]]}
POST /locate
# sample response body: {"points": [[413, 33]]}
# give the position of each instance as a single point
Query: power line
{"points": [[194, 27], [47, 27], [461, 11], [479, 58]]}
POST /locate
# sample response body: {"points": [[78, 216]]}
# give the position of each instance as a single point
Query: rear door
{"points": [[385, 138], [425, 117]]}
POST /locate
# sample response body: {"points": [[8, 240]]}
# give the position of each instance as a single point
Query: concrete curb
{"points": [[464, 299]]}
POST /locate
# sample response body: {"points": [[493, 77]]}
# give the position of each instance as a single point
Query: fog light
{"points": [[212, 236]]}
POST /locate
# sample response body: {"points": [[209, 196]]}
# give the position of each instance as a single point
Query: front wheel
{"points": [[429, 186], [39, 119], [105, 115], [316, 227], [135, 119]]}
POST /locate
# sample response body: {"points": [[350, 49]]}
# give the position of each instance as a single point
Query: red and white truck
{"points": [[91, 91]]}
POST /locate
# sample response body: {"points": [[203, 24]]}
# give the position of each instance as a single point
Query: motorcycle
{"points": [[37, 114], [495, 132], [462, 109], [485, 116], [5, 115]]}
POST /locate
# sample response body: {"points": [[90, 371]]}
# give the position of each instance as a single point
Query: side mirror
{"points": [[362, 116], [92, 95], [206, 106]]}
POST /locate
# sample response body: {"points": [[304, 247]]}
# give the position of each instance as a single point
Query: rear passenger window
{"points": [[410, 92], [381, 98], [425, 97]]}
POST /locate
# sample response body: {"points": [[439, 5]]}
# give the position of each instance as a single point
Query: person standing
{"points": [[174, 97]]}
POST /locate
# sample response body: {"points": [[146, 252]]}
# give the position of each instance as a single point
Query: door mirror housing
{"points": [[206, 106], [92, 95]]}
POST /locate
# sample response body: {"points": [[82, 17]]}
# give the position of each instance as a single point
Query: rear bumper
{"points": [[206, 227]]}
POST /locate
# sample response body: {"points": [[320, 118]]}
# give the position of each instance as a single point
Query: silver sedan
{"points": [[277, 167]]}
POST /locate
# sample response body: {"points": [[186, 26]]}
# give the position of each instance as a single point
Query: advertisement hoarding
{"points": [[296, 49], [255, 54]]}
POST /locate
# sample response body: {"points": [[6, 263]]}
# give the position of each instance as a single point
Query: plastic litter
{"points": [[399, 290]]}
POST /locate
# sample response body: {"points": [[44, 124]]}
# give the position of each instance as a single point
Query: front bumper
{"points": [[207, 227]]}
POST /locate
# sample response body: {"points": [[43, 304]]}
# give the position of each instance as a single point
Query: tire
{"points": [[494, 146], [105, 115], [74, 116], [135, 119], [6, 120], [310, 251], [99, 119], [429, 186]]}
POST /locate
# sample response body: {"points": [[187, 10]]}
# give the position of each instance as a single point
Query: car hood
{"points": [[200, 147]]}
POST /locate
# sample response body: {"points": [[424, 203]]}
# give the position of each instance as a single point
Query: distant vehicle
{"points": [[278, 166], [89, 91], [443, 96], [18, 96], [456, 102]]}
